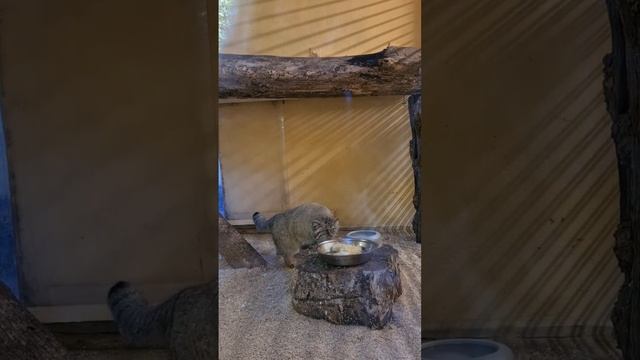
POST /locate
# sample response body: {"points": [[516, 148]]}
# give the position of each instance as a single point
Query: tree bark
{"points": [[392, 71], [348, 295], [621, 88], [235, 249], [22, 337], [415, 148]]}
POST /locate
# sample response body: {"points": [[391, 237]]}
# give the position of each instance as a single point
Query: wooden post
{"points": [[22, 337], [235, 249], [415, 117], [622, 88]]}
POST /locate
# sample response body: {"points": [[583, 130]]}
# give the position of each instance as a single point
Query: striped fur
{"points": [[186, 323], [297, 228]]}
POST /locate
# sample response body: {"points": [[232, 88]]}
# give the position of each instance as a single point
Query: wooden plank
{"points": [[235, 249], [22, 337]]}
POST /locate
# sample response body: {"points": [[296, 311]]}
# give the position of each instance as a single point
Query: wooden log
{"points": [[392, 71], [22, 337], [354, 295], [622, 91], [235, 249], [415, 148]]}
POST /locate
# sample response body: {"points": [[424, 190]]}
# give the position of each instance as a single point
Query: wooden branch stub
{"points": [[392, 71], [235, 249]]}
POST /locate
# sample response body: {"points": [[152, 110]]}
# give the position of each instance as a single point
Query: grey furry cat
{"points": [[297, 228], [186, 323]]}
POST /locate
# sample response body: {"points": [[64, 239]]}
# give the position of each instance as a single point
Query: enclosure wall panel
{"points": [[251, 156], [107, 107], [352, 155], [324, 28], [521, 196]]}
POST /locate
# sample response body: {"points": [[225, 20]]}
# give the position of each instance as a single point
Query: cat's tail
{"points": [[138, 322], [262, 224]]}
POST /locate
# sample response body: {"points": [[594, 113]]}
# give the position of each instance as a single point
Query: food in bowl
{"points": [[346, 251], [343, 249]]}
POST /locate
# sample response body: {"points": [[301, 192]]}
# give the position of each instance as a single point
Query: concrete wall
{"points": [[108, 109], [349, 154], [520, 172]]}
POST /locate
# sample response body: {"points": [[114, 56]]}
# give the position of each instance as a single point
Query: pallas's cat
{"points": [[299, 227]]}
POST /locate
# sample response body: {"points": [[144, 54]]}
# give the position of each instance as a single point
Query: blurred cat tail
{"points": [[262, 224], [138, 322]]}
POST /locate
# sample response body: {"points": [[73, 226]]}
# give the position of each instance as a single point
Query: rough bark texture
{"points": [[392, 71], [22, 337], [356, 295], [621, 87], [415, 148], [235, 249]]}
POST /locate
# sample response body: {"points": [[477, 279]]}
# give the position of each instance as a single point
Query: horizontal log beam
{"points": [[392, 71]]}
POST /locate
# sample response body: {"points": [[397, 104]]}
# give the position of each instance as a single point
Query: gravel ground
{"points": [[257, 320]]}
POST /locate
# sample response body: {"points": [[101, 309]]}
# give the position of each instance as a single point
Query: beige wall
{"points": [[329, 28], [251, 154], [349, 154], [352, 156], [108, 106], [520, 172]]}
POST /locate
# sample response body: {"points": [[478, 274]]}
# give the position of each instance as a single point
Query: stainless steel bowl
{"points": [[325, 251], [366, 234]]}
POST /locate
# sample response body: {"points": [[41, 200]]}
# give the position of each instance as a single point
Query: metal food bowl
{"points": [[326, 250]]}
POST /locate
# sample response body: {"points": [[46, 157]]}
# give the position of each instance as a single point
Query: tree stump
{"points": [[354, 295]]}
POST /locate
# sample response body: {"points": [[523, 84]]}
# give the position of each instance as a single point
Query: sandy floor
{"points": [[258, 322]]}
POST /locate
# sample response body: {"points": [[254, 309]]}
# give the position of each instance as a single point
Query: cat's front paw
{"points": [[289, 262]]}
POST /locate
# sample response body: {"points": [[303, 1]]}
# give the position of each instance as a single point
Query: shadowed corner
{"points": [[8, 259], [9, 274]]}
